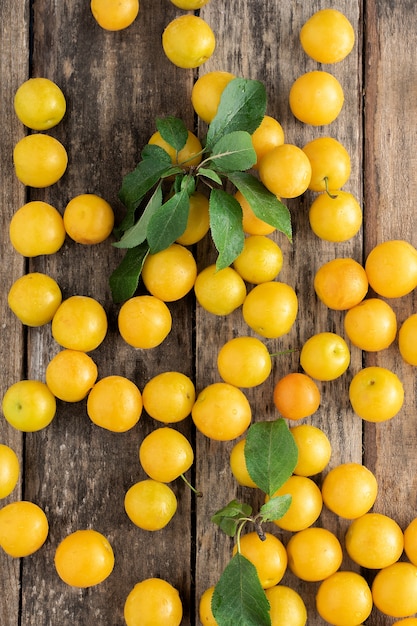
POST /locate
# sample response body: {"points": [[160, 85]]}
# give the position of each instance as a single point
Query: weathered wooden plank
{"points": [[14, 41], [390, 186], [80, 473], [263, 44]]}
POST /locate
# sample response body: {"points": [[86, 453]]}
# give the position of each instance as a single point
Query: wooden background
{"points": [[116, 84]]}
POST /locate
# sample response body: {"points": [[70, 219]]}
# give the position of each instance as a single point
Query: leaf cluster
{"points": [[271, 455], [157, 192]]}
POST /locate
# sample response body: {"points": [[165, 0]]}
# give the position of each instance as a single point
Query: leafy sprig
{"points": [[271, 456], [157, 192]]}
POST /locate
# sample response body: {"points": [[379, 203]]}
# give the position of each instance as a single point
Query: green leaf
{"points": [[229, 517], [263, 203], [187, 184], [154, 164], [137, 233], [172, 171], [153, 152], [233, 152], [178, 181], [210, 174], [271, 454], [238, 598], [226, 226], [275, 508], [168, 222], [173, 131], [125, 278], [242, 107]]}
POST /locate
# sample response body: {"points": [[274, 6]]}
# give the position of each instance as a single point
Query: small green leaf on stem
{"points": [[173, 131], [168, 222], [238, 598], [187, 184], [136, 234], [210, 174], [275, 508], [242, 107], [226, 226], [263, 203], [271, 454], [229, 517], [233, 152], [154, 164], [125, 278]]}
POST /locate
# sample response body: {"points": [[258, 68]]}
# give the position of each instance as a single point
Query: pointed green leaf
{"points": [[176, 187], [172, 171], [228, 525], [155, 162], [137, 233], [271, 454], [173, 131], [168, 222], [238, 598], [275, 508], [229, 517], [233, 152], [263, 203], [226, 226], [125, 278], [242, 107], [154, 153], [210, 174], [235, 508], [188, 184]]}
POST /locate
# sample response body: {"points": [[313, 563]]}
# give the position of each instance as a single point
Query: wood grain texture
{"points": [[116, 84], [14, 45], [390, 185], [269, 50]]}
